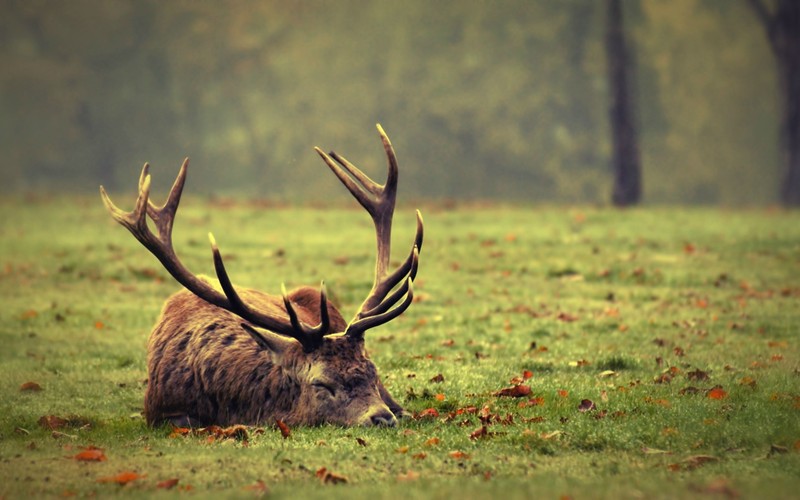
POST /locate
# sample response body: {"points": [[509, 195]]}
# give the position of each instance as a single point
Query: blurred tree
{"points": [[622, 113], [782, 27]]}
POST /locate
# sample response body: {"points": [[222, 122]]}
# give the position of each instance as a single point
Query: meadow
{"points": [[551, 352]]}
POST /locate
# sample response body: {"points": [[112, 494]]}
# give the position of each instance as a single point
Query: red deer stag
{"points": [[241, 356]]}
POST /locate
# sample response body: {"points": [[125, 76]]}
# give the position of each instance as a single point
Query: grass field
{"points": [[660, 346]]}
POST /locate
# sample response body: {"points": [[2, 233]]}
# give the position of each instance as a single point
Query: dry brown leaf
{"points": [[167, 484], [517, 391], [327, 477], [91, 454], [30, 387], [259, 488], [122, 478]]}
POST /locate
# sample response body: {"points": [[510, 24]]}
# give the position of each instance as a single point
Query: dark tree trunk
{"points": [[783, 31], [622, 113]]}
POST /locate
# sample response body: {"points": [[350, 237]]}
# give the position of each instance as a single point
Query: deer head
{"points": [[232, 355]]}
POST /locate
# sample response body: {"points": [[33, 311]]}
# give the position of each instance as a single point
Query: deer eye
{"points": [[325, 388]]}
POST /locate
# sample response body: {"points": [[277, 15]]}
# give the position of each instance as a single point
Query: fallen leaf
{"points": [[563, 393], [717, 393], [777, 449], [259, 488], [428, 413], [29, 314], [167, 484], [481, 432], [30, 387], [459, 455], [122, 478], [419, 456], [566, 317], [361, 441], [437, 379], [531, 402], [285, 431], [586, 405], [748, 381], [526, 374], [91, 454], [434, 441], [327, 477], [180, 431], [440, 397], [408, 476], [697, 375], [517, 391], [696, 461]]}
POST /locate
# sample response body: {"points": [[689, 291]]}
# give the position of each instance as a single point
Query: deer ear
{"points": [[268, 340]]}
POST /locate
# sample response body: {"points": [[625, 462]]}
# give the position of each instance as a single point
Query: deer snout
{"points": [[379, 417]]}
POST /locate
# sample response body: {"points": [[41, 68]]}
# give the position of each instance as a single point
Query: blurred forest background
{"points": [[505, 99]]}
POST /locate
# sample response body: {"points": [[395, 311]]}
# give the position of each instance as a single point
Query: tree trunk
{"points": [[622, 112], [783, 32]]}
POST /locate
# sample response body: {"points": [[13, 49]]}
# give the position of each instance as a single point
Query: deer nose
{"points": [[383, 418]]}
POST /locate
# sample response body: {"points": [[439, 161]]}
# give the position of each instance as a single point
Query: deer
{"points": [[226, 355]]}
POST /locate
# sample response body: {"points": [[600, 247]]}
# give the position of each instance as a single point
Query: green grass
{"points": [[598, 304]]}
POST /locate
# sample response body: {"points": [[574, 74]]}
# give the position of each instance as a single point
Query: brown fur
{"points": [[205, 368]]}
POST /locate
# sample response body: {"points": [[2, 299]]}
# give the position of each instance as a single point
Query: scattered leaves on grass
{"points": [[437, 379], [362, 442], [419, 456], [30, 387], [121, 479], [213, 432], [517, 391], [327, 477], [90, 454], [586, 405], [53, 422], [167, 484]]}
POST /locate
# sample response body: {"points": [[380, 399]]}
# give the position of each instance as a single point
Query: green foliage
{"points": [[503, 100], [658, 309]]}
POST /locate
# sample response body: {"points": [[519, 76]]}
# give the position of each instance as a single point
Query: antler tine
{"points": [[161, 247], [357, 328], [309, 337], [379, 201], [164, 216], [135, 221]]}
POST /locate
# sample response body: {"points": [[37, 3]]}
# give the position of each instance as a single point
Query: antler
{"points": [[380, 306], [161, 246]]}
